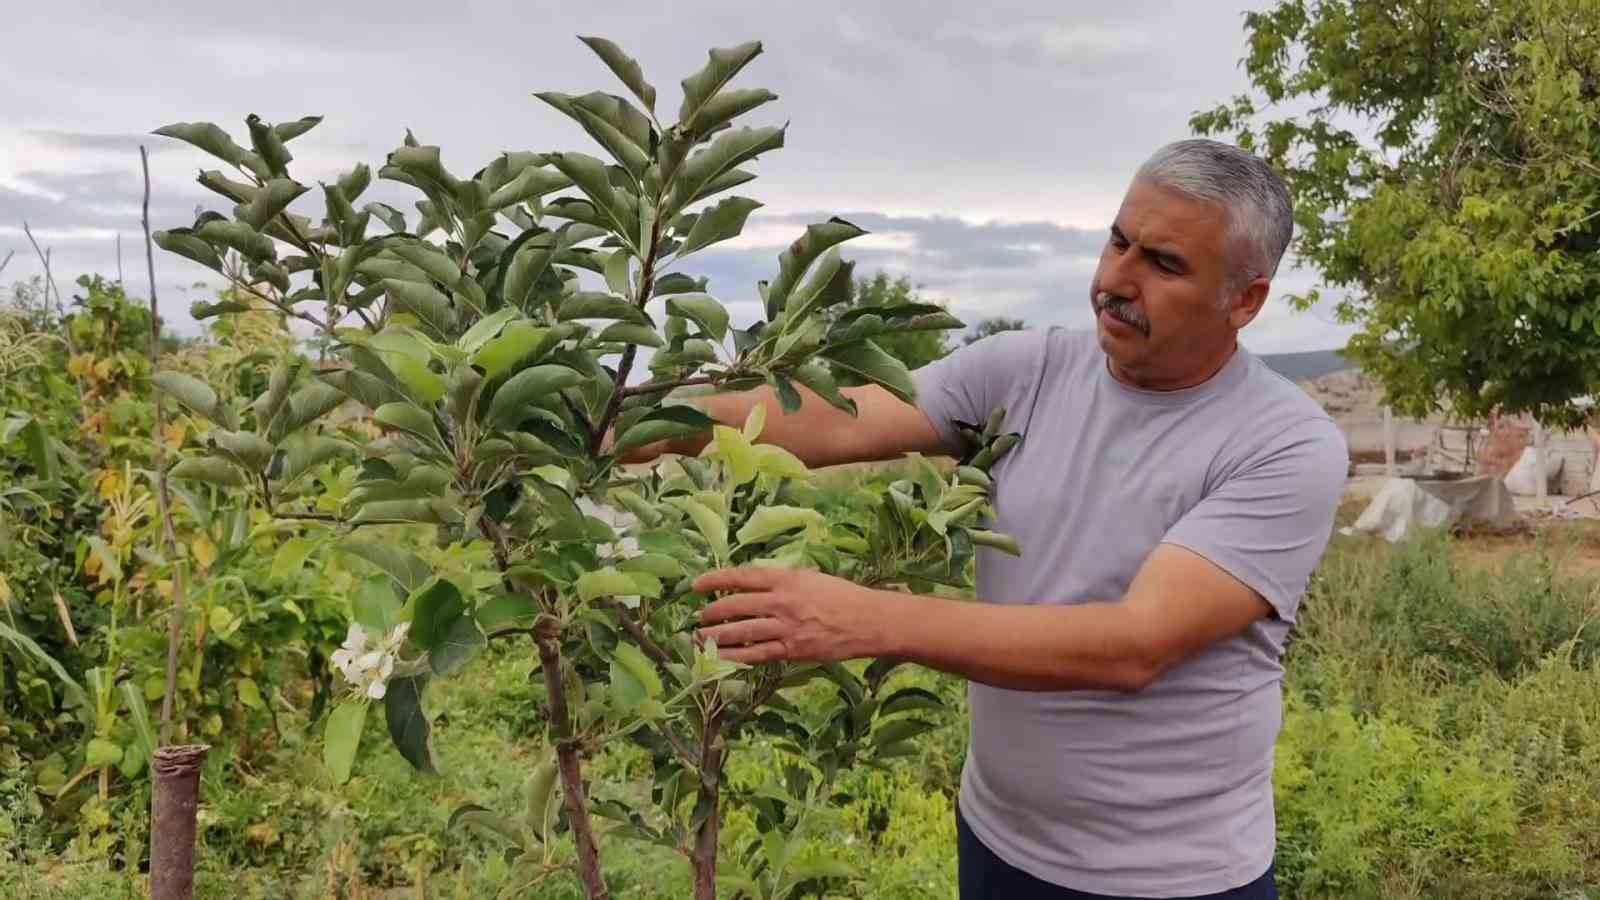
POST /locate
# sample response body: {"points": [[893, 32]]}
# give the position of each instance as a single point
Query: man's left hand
{"points": [[768, 615]]}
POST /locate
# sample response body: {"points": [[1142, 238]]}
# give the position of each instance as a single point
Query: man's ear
{"points": [[1248, 302]]}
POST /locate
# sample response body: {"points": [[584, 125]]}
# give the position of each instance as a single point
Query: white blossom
{"points": [[367, 663]]}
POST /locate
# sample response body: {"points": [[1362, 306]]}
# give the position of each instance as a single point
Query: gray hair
{"points": [[1260, 215]]}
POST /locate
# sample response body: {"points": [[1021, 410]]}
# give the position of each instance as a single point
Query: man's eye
{"points": [[1168, 265]]}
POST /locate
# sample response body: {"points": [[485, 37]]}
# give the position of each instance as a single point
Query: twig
{"points": [[7, 261], [163, 494], [50, 285], [119, 259], [705, 844], [653, 387]]}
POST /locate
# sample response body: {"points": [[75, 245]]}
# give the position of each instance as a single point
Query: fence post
{"points": [[1388, 441]]}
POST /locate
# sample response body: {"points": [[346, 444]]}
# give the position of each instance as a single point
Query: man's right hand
{"points": [[819, 434]]}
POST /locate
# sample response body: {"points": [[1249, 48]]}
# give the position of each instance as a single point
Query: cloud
{"points": [[985, 145]]}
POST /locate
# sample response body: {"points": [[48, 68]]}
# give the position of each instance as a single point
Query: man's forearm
{"points": [[818, 433], [1090, 646]]}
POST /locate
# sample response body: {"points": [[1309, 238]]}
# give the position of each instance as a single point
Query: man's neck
{"points": [[1163, 381]]}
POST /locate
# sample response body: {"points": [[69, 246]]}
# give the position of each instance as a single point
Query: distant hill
{"points": [[1310, 364]]}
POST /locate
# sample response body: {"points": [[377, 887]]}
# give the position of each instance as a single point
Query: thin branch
{"points": [[50, 285], [7, 261], [163, 495], [653, 387]]}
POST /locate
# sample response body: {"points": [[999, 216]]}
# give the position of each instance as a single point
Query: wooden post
{"points": [[174, 804], [1541, 489], [1388, 441]]}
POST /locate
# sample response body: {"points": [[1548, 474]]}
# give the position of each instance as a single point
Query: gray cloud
{"points": [[994, 139]]}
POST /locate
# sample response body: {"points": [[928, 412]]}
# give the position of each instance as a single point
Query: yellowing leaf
{"points": [[5, 591], [173, 435], [249, 694], [755, 422], [737, 451], [202, 550]]}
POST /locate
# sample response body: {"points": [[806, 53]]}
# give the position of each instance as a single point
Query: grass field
{"points": [[1441, 739]]}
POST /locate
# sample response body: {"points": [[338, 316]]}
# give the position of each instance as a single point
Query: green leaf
{"points": [[665, 423], [249, 693], [268, 145], [724, 155], [678, 283], [629, 333], [595, 305], [726, 181], [520, 341], [616, 272], [828, 285], [288, 131], [435, 608], [342, 737], [273, 198], [625, 68], [506, 612], [868, 361], [30, 650], [102, 754], [798, 257], [627, 691], [408, 724], [139, 714], [770, 521], [719, 223], [897, 730], [388, 215], [727, 106], [187, 244], [411, 419], [207, 137], [510, 402], [433, 308], [374, 604], [473, 816], [639, 666], [237, 191], [712, 526], [407, 571], [305, 406], [816, 377], [276, 395], [249, 451], [613, 122], [41, 450], [704, 310], [354, 183], [368, 390], [209, 469], [907, 699], [197, 396], [250, 243], [589, 174], [530, 183], [722, 65], [1005, 543], [606, 582], [658, 564], [291, 557]]}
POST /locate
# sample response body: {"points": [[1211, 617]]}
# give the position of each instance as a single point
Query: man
{"points": [[1171, 496]]}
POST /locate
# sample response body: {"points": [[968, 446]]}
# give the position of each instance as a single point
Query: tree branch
{"points": [[61, 308], [653, 387], [705, 842], [570, 767]]}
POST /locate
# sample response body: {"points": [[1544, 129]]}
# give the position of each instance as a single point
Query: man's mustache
{"points": [[1123, 310]]}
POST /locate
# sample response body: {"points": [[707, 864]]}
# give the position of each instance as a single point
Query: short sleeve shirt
{"points": [[1165, 792]]}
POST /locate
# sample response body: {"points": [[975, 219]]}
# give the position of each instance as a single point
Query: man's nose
{"points": [[1118, 275]]}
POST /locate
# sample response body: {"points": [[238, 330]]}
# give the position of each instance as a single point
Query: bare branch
{"points": [[7, 261], [51, 286], [651, 388]]}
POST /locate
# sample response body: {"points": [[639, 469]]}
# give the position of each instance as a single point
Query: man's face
{"points": [[1164, 324]]}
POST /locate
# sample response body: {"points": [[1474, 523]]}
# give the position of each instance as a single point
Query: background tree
{"points": [[914, 349], [1447, 175], [993, 325]]}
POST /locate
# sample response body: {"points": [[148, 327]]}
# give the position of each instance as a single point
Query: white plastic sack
{"points": [[1405, 504], [1523, 481]]}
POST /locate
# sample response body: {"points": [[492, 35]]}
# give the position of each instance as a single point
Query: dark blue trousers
{"points": [[985, 876]]}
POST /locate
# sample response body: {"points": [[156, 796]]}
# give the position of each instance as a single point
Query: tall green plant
{"points": [[498, 364]]}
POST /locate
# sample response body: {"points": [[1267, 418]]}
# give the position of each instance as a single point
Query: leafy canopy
{"points": [[1447, 175]]}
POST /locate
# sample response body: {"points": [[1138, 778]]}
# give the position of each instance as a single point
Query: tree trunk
{"points": [[572, 794], [172, 820], [705, 842]]}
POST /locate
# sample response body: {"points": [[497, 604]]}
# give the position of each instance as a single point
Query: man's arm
{"points": [[1178, 604], [820, 434]]}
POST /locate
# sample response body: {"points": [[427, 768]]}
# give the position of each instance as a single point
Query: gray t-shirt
{"points": [[1165, 792]]}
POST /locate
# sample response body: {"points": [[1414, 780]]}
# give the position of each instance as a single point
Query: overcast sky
{"points": [[985, 146]]}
